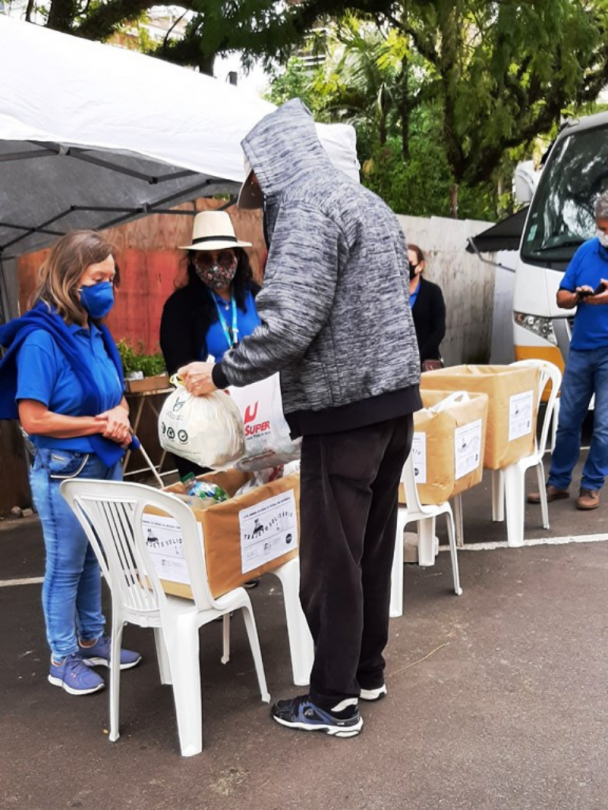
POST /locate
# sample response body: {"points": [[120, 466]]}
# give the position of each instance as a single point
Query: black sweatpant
{"points": [[348, 511]]}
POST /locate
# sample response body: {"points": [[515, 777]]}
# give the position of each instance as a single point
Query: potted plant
{"points": [[143, 372]]}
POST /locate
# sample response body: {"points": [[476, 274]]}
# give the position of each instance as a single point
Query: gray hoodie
{"points": [[336, 320]]}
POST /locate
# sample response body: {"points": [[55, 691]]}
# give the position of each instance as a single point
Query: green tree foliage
{"points": [[494, 75], [360, 83], [502, 72], [256, 29]]}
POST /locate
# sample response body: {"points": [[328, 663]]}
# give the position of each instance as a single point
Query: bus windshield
{"points": [[561, 215]]}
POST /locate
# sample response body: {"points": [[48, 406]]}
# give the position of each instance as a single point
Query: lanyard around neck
{"points": [[232, 336]]}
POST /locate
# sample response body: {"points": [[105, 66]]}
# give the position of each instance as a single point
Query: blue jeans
{"points": [[71, 593], [586, 374]]}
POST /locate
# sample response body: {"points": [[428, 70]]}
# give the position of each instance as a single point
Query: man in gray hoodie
{"points": [[336, 323]]}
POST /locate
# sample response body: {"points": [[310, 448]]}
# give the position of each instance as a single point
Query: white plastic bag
{"points": [[452, 399], [267, 439], [206, 430]]}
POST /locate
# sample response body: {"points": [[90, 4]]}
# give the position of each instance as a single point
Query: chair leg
{"points": [[254, 643], [426, 542], [183, 647], [162, 657], [514, 497], [301, 645], [554, 423], [459, 521], [544, 506], [226, 638], [453, 553], [498, 496], [115, 647], [396, 603]]}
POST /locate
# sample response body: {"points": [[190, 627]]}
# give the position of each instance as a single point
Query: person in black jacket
{"points": [[428, 308], [216, 307]]}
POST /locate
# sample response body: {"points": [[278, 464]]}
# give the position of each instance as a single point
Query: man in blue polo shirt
{"points": [[586, 371]]}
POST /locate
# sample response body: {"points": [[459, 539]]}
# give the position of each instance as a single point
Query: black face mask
{"points": [[413, 270]]}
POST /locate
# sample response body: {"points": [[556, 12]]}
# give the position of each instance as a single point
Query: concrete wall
{"points": [[466, 282], [502, 331]]}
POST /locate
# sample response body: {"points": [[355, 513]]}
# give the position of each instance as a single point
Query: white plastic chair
{"points": [[508, 485], [111, 515], [301, 646], [425, 516]]}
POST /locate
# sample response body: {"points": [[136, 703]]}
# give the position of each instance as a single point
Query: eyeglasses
{"points": [[207, 258]]}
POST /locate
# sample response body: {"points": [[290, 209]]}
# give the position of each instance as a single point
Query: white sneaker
{"points": [[374, 694]]}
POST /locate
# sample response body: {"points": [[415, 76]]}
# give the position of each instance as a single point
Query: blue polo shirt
{"points": [[414, 295], [217, 343], [588, 267], [45, 375]]}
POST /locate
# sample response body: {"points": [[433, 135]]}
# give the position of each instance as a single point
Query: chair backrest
{"points": [[549, 373], [111, 514], [408, 479]]}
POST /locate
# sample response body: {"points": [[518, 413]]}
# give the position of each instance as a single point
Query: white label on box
{"points": [[467, 448], [166, 547], [521, 407], [419, 457], [268, 530]]}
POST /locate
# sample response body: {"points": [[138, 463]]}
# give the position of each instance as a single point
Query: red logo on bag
{"points": [[253, 430], [250, 415]]}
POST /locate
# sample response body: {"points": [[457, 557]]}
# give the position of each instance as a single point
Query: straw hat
{"points": [[212, 230]]}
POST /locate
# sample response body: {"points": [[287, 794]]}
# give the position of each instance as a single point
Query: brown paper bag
{"points": [[512, 407], [448, 446]]}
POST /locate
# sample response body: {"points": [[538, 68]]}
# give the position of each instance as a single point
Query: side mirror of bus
{"points": [[525, 180]]}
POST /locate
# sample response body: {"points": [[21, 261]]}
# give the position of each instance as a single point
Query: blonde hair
{"points": [[60, 274]]}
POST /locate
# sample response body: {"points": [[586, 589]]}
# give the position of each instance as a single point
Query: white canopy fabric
{"points": [[92, 136]]}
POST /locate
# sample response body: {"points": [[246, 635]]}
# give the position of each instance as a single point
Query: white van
{"points": [[560, 218]]}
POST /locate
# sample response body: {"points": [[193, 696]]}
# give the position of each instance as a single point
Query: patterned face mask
{"points": [[219, 275]]}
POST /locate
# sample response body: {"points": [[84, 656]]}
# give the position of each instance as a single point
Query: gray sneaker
{"points": [[74, 676]]}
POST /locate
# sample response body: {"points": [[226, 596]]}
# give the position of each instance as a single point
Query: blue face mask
{"points": [[98, 299]]}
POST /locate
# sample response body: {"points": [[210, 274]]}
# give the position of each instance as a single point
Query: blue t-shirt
{"points": [[589, 266], [414, 295], [217, 341], [45, 375]]}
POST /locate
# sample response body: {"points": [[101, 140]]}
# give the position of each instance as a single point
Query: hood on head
{"points": [[283, 145]]}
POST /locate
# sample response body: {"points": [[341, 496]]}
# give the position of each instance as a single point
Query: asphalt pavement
{"points": [[497, 699]]}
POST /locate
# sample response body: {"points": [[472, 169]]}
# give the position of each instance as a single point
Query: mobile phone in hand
{"points": [[585, 293], [599, 289]]}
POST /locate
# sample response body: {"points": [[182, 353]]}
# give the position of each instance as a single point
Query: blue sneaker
{"points": [[99, 655], [74, 676], [301, 713]]}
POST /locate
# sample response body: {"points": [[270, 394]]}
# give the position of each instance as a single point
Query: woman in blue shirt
{"points": [[216, 307], [63, 374]]}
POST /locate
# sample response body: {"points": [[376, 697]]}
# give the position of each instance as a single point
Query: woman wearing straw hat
{"points": [[216, 307]]}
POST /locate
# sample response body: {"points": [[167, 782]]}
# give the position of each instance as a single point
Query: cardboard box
{"points": [[158, 383], [448, 446], [512, 407], [239, 535]]}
